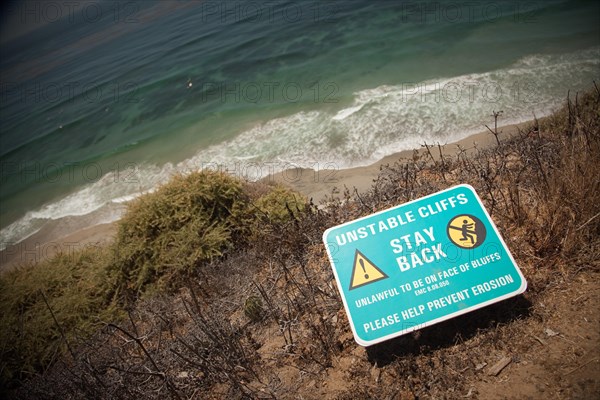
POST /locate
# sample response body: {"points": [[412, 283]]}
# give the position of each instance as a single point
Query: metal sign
{"points": [[420, 263]]}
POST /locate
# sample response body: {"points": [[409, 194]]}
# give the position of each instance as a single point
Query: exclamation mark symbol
{"points": [[362, 264]]}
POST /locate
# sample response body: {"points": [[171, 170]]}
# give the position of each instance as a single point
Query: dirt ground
{"points": [[557, 348], [550, 343]]}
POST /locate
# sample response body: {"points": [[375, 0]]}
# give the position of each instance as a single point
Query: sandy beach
{"points": [[67, 236]]}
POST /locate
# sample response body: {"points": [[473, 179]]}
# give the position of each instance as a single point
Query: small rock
{"points": [[481, 366], [550, 333], [183, 375]]}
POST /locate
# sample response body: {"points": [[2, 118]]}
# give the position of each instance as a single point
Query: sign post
{"points": [[420, 263]]}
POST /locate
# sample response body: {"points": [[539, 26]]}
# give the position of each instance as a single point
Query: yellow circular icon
{"points": [[466, 231]]}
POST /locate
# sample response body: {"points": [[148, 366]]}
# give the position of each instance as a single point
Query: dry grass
{"points": [[266, 321]]}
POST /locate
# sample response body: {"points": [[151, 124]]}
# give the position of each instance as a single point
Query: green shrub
{"points": [[280, 204], [76, 288], [189, 221], [253, 308], [184, 223]]}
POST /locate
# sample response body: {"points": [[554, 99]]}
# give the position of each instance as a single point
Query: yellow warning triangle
{"points": [[364, 271]]}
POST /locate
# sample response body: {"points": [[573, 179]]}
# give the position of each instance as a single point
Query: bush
{"points": [[189, 221], [253, 308], [185, 223], [67, 295], [281, 204]]}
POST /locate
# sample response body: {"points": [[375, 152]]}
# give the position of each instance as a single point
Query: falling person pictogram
{"points": [[466, 231]]}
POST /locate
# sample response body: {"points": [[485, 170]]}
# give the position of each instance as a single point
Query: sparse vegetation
{"points": [[253, 308], [164, 238], [45, 309], [258, 314]]}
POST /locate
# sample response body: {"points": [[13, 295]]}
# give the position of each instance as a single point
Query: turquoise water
{"points": [[112, 99]]}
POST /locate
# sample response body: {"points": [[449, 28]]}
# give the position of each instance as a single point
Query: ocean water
{"points": [[107, 99]]}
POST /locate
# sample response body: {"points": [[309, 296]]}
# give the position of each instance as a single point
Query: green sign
{"points": [[420, 263]]}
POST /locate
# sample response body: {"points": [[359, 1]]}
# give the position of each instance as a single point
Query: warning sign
{"points": [[364, 272], [420, 263]]}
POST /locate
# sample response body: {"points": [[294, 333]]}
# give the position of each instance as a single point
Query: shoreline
{"points": [[315, 185], [318, 184]]}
